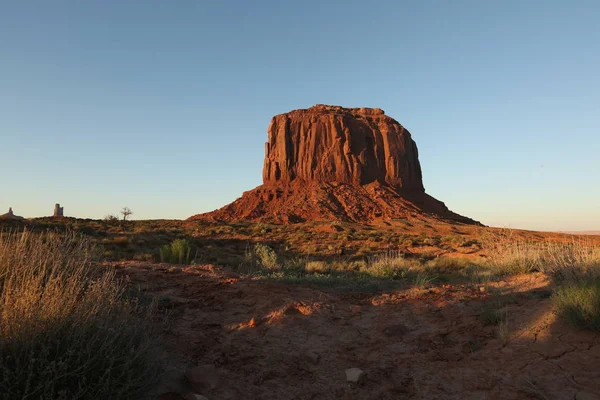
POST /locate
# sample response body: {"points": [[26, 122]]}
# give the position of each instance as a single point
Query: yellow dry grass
{"points": [[67, 329]]}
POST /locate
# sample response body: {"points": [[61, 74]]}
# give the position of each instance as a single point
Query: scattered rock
{"points": [[355, 375], [203, 378], [483, 289], [312, 357]]}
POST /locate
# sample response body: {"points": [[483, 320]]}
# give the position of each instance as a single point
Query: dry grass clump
{"points": [[574, 265], [492, 315], [561, 259], [388, 266], [67, 330], [424, 278], [391, 265], [319, 267], [459, 268], [578, 302], [503, 328]]}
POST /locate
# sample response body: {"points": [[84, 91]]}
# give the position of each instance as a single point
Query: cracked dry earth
{"points": [[276, 341]]}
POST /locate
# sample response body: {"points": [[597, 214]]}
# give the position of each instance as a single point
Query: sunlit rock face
{"points": [[332, 144]]}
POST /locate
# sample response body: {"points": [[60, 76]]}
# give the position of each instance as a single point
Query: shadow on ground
{"points": [[274, 341]]}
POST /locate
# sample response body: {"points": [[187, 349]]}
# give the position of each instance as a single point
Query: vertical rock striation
{"points": [[341, 145]]}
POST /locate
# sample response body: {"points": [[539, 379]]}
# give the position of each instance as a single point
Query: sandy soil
{"points": [[276, 341]]}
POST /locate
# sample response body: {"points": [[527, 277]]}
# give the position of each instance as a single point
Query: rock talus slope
{"points": [[335, 163]]}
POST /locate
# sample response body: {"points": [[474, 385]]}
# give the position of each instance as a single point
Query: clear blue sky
{"points": [[163, 106]]}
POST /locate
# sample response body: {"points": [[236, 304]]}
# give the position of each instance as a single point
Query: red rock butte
{"points": [[335, 163]]}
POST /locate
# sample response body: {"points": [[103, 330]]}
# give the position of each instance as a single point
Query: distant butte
{"points": [[335, 163], [10, 215]]}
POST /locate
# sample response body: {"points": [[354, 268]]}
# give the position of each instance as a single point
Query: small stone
{"points": [[203, 378], [483, 289], [355, 375], [312, 357]]}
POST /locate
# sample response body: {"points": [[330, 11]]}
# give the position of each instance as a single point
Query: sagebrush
{"points": [[67, 328]]}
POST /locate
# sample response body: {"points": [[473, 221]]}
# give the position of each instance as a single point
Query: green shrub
{"points": [[266, 257], [178, 252], [578, 302], [260, 257], [67, 328]]}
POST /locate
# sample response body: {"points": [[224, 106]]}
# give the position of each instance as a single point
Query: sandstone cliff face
{"points": [[334, 163], [341, 145]]}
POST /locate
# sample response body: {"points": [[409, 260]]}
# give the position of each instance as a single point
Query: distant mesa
{"points": [[334, 163], [10, 215]]}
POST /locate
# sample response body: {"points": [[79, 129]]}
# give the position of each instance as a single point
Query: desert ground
{"points": [[423, 308], [269, 340]]}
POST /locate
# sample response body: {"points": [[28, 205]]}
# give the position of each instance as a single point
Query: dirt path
{"points": [[277, 341]]}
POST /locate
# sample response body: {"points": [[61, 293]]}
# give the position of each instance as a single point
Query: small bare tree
{"points": [[126, 211]]}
